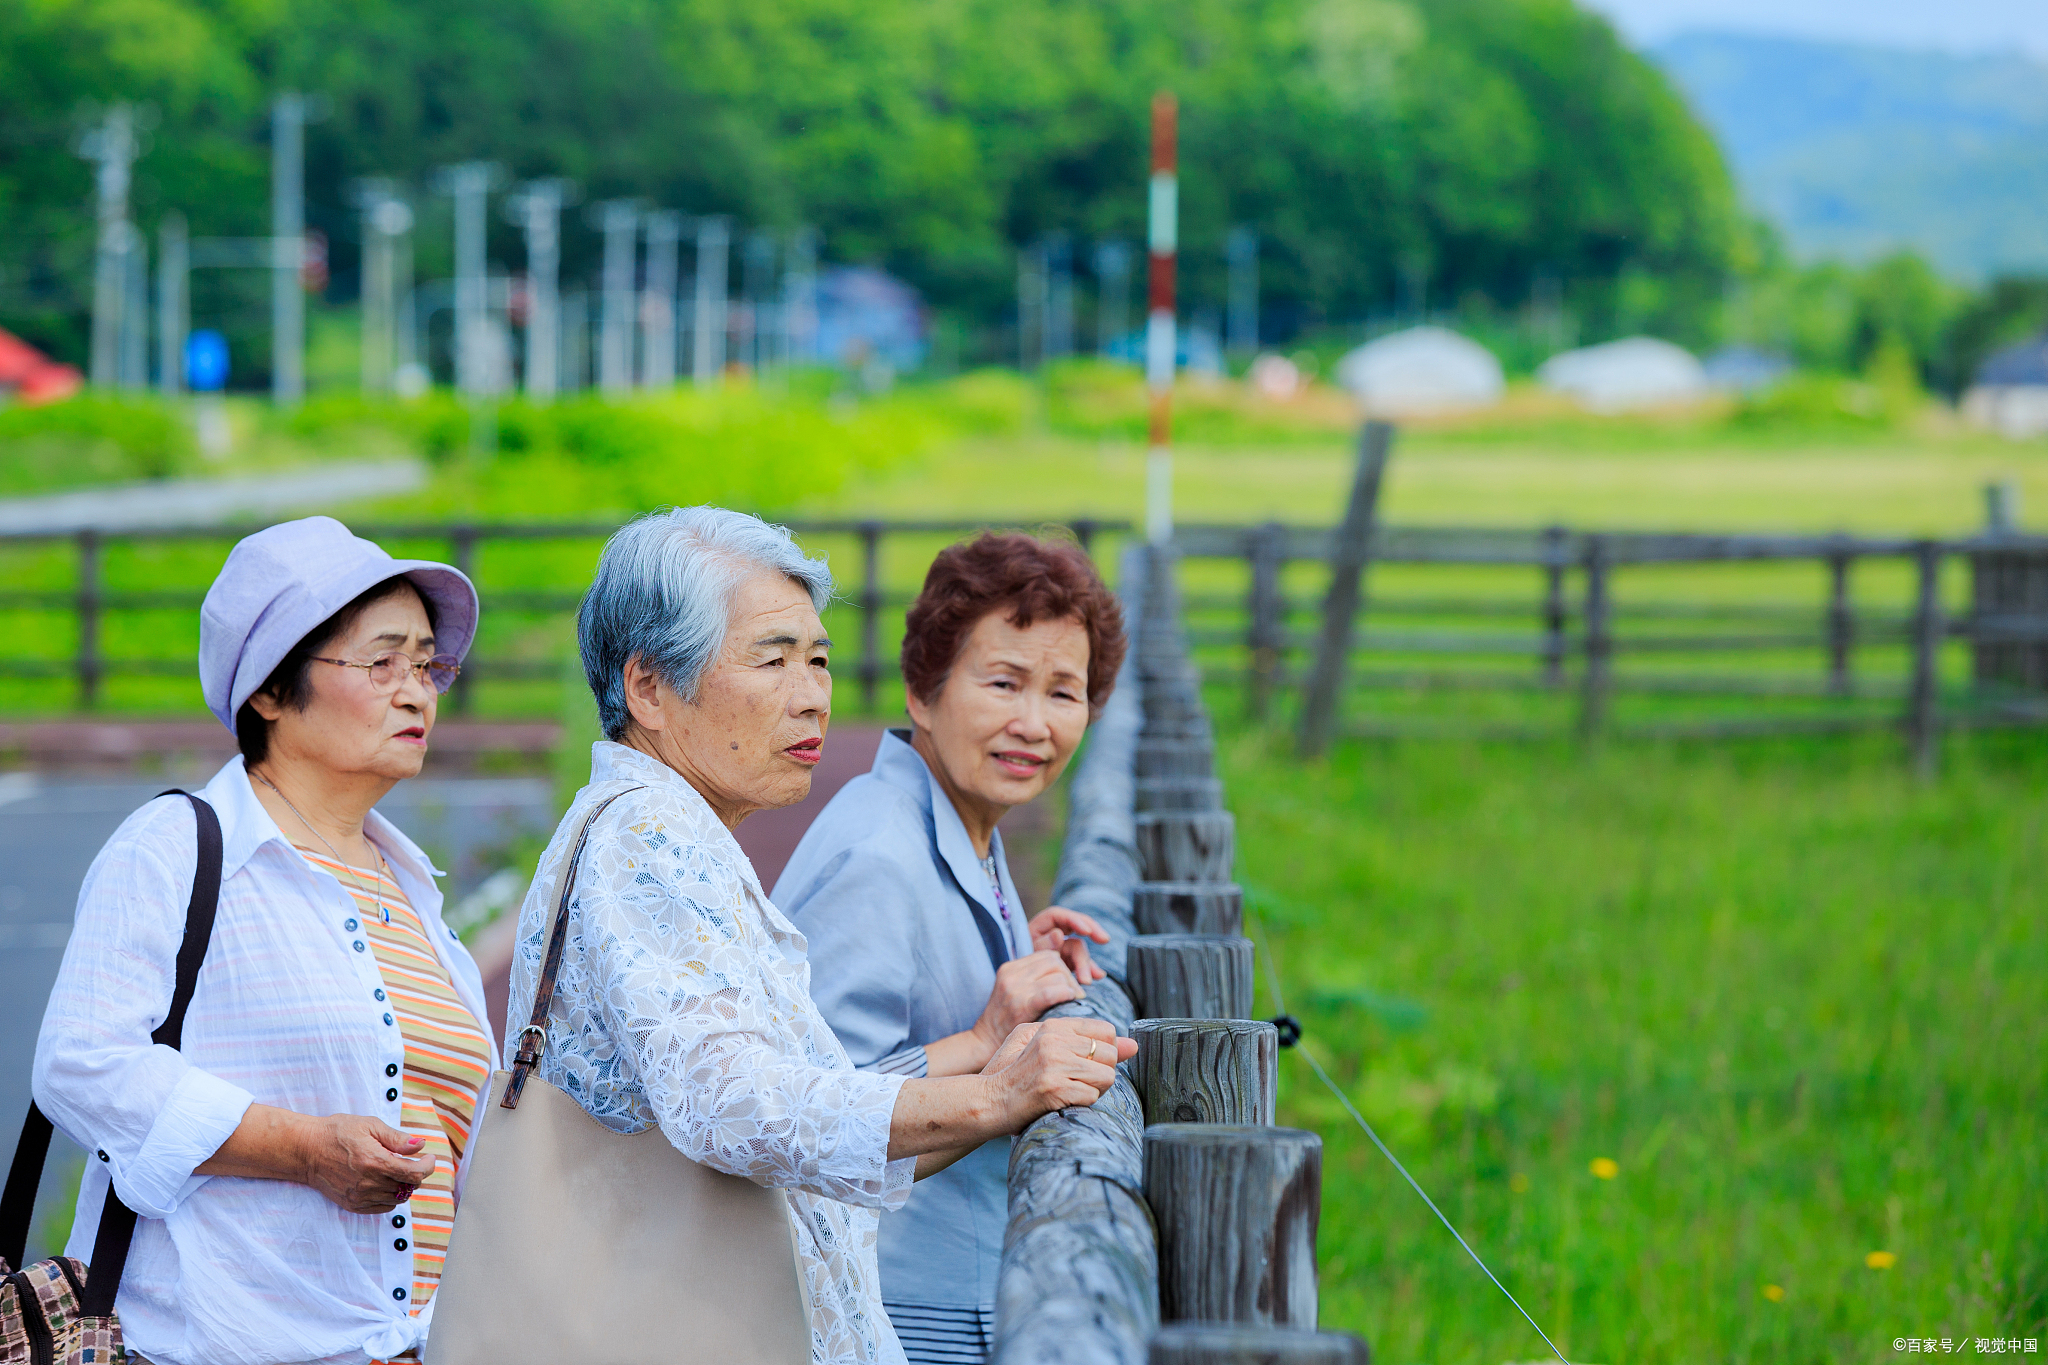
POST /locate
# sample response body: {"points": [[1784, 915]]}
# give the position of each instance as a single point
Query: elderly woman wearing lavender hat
{"points": [[294, 1162]]}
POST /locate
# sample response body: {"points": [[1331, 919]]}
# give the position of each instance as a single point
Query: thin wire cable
{"points": [[1280, 1006]]}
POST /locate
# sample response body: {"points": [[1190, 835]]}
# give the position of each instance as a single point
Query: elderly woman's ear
{"points": [[643, 689]]}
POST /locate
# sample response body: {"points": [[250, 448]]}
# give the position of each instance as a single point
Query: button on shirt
{"points": [[286, 1013], [684, 1001]]}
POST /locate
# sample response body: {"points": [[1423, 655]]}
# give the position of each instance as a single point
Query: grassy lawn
{"points": [[1791, 994]]}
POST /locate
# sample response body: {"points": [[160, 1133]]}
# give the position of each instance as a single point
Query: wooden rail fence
{"points": [[90, 603], [1171, 1223]]}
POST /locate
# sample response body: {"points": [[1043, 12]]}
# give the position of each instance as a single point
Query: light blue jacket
{"points": [[904, 935]]}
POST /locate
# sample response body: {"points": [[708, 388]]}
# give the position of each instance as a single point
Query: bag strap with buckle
{"points": [[533, 1039], [117, 1220]]}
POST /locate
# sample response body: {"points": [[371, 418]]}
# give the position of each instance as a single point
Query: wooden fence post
{"points": [[1176, 758], [462, 547], [1923, 716], [1841, 624], [1556, 544], [1221, 1343], [1598, 681], [1206, 1070], [1237, 1208], [1189, 976], [1179, 793], [1266, 634], [88, 664], [1186, 845], [1348, 559], [1209, 909], [870, 613]]}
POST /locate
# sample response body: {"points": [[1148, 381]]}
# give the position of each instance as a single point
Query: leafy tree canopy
{"points": [[1376, 144]]}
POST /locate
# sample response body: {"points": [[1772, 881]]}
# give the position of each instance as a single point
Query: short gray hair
{"points": [[664, 591]]}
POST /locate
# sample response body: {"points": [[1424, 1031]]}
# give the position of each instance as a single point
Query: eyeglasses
{"points": [[387, 671]]}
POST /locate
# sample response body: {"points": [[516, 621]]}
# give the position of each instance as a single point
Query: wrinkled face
{"points": [[754, 734], [348, 726], [1012, 711]]}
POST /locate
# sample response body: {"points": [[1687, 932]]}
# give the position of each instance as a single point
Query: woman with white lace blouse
{"points": [[683, 998]]}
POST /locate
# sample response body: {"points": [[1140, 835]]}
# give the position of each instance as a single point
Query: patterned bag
{"points": [[55, 1312]]}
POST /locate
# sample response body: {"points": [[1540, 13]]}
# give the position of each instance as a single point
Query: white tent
{"points": [[1635, 372], [1424, 369]]}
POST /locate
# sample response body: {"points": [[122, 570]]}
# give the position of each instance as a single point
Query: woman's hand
{"points": [[1026, 987], [1063, 931], [1055, 1065], [363, 1164]]}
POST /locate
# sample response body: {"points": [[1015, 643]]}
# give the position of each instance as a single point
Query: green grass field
{"points": [[1791, 994]]}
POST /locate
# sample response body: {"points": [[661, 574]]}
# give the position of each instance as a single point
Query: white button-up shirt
{"points": [[683, 1000], [289, 1011]]}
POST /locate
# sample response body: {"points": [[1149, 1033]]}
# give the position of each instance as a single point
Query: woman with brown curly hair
{"points": [[922, 958]]}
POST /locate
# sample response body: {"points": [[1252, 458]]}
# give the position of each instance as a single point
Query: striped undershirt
{"points": [[943, 1336], [447, 1059]]}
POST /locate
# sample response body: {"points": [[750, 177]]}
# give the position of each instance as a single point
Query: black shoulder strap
{"points": [[117, 1220]]}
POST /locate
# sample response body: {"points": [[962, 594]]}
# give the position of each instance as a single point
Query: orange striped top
{"points": [[447, 1057]]}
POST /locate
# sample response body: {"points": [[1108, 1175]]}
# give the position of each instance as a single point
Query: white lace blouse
{"points": [[684, 1000]]}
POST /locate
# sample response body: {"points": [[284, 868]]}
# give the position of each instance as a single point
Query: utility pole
{"points": [[707, 354], [135, 311], [1031, 307], [1059, 296], [173, 302], [800, 296], [1163, 239], [619, 221], [757, 276], [658, 301], [537, 208], [288, 233], [112, 146], [1112, 296], [386, 221], [1243, 323], [469, 185]]}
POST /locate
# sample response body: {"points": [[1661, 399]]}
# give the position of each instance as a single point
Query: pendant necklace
{"points": [[377, 871]]}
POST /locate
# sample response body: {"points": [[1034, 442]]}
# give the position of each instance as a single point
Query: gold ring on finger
{"points": [[1093, 1043]]}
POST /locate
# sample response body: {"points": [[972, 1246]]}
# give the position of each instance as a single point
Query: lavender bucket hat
{"points": [[281, 583]]}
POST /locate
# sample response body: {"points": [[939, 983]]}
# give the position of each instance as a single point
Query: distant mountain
{"points": [[1854, 151]]}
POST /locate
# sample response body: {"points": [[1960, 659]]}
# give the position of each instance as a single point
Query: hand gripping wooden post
{"points": [[1190, 976], [1207, 909], [1187, 845], [1206, 1070], [1221, 1343], [1237, 1208]]}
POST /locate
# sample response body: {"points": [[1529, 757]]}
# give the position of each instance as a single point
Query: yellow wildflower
{"points": [[1605, 1167], [1881, 1260], [1775, 1293]]}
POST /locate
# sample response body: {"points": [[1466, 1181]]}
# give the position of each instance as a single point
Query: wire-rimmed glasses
{"points": [[387, 671]]}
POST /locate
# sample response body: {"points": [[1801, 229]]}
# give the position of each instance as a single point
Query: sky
{"points": [[1950, 25]]}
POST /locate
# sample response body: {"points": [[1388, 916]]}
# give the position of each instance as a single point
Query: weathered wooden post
{"points": [[1266, 610], [1348, 559], [1221, 1343], [88, 664], [1598, 682], [1190, 976], [1179, 793], [1556, 545], [1237, 1208], [1206, 1070], [1176, 758], [1206, 909], [1923, 714], [1187, 845], [1841, 623]]}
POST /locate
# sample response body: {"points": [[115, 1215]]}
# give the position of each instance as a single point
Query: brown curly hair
{"points": [[1035, 580]]}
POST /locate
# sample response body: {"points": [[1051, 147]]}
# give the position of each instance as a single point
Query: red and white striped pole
{"points": [[1160, 342]]}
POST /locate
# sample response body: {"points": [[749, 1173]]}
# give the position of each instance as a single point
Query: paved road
{"points": [[207, 502]]}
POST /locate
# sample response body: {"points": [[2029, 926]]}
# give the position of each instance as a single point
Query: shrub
{"points": [[91, 440]]}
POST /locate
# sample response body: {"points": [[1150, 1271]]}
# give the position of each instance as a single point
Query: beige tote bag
{"points": [[578, 1244]]}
